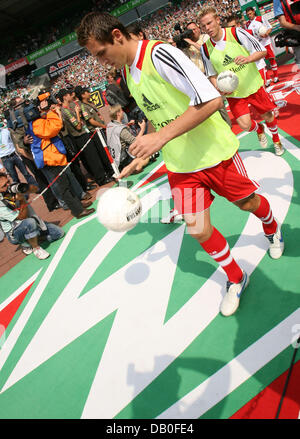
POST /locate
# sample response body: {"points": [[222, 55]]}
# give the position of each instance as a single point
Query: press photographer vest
{"points": [[205, 145], [249, 77], [291, 10]]}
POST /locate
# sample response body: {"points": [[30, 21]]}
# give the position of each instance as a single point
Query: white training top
{"points": [[255, 24], [177, 69], [246, 39]]}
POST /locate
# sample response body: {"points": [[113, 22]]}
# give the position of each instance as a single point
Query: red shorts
{"points": [[192, 191], [260, 100]]}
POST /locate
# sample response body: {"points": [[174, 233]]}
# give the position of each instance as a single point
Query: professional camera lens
{"points": [[18, 188]]}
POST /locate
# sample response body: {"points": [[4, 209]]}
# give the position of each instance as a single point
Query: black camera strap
{"points": [[286, 7]]}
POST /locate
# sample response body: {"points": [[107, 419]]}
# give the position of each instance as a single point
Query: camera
{"points": [[18, 188], [138, 116], [289, 38], [21, 113], [179, 39]]}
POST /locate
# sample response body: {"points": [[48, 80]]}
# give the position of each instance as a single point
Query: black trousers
{"points": [[75, 165], [62, 183], [91, 158], [49, 197]]}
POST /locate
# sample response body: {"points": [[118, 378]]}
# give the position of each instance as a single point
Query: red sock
{"points": [[217, 247], [273, 129], [255, 126], [265, 214], [274, 67]]}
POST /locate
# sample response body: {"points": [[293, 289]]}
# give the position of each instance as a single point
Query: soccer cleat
{"points": [[40, 253], [172, 217], [262, 138], [231, 300], [276, 244], [268, 82], [279, 150], [275, 79]]}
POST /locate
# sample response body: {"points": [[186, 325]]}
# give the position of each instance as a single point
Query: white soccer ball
{"points": [[227, 81], [119, 209], [262, 31]]}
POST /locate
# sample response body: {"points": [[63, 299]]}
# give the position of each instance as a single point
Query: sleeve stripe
{"points": [[168, 56], [169, 64], [253, 41]]}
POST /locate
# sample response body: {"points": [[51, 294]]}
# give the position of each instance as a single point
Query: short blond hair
{"points": [[113, 112], [206, 11]]}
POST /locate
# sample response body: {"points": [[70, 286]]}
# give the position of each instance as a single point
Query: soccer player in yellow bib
{"points": [[198, 147], [236, 50]]}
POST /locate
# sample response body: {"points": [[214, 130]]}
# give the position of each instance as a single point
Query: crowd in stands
{"points": [[35, 40], [86, 71]]}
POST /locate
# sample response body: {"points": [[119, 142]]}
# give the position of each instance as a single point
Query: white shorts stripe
{"points": [[239, 165], [242, 165]]}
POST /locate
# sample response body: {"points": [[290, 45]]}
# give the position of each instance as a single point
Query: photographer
{"points": [[288, 14], [20, 223], [195, 40], [50, 155], [16, 120], [119, 138], [10, 159]]}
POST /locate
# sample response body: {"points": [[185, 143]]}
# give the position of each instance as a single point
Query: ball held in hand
{"points": [[262, 31], [227, 81]]}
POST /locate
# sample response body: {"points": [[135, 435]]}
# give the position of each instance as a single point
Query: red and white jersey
{"points": [[255, 24]]}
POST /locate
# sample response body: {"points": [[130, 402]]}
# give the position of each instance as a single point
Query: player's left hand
{"points": [[146, 145]]}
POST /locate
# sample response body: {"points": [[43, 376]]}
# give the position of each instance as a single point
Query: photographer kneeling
{"points": [[119, 138], [20, 223]]}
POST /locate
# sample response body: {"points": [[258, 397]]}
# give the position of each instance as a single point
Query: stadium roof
{"points": [[16, 14]]}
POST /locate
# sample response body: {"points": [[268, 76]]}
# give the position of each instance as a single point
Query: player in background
{"points": [[254, 24], [236, 50], [235, 21]]}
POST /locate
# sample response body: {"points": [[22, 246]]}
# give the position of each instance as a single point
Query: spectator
{"points": [[119, 139], [80, 134], [11, 160], [71, 151], [92, 119]]}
